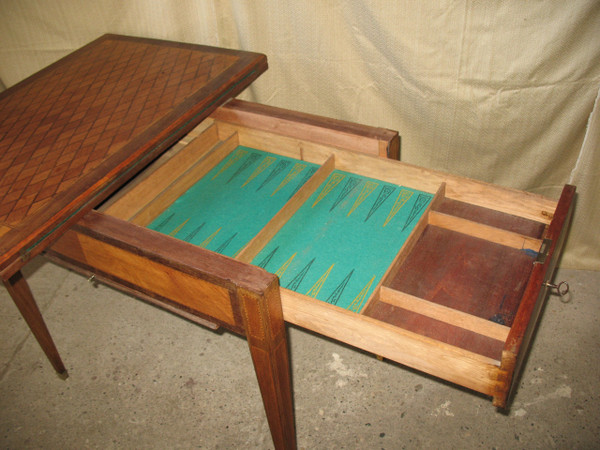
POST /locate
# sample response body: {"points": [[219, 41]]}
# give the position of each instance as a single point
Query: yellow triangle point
{"points": [[314, 291], [208, 239], [240, 153], [364, 193], [334, 180], [358, 301], [284, 267], [403, 197], [266, 162], [295, 170], [176, 230]]}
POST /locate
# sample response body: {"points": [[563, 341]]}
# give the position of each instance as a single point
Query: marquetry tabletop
{"points": [[74, 132]]}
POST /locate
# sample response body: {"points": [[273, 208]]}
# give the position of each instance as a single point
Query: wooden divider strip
{"points": [[487, 232], [443, 313], [323, 130], [129, 200], [184, 181], [278, 221]]}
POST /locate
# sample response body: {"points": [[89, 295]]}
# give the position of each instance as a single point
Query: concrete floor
{"points": [[143, 378]]}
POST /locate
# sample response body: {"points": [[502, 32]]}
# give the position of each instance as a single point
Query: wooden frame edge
{"points": [[534, 298], [319, 129]]}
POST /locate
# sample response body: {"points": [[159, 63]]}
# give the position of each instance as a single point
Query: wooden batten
{"points": [[184, 180], [486, 232], [252, 249], [146, 187], [443, 313], [308, 127]]}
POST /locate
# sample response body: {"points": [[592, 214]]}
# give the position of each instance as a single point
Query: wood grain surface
{"points": [[75, 131]]}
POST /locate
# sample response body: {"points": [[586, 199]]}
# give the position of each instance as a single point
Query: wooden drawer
{"points": [[459, 266]]}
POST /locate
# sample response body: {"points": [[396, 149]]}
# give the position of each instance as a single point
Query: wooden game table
{"points": [[260, 215]]}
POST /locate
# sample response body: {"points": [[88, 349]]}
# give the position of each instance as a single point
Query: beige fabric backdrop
{"points": [[499, 91]]}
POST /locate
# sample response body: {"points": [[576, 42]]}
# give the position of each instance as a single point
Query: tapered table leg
{"points": [[266, 334], [21, 294]]}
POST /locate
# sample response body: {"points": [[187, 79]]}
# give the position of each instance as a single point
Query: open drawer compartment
{"points": [[440, 273]]}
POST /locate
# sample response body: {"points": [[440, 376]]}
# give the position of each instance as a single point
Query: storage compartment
{"points": [[438, 272], [458, 289]]}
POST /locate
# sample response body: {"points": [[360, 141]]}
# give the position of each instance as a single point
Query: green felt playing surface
{"points": [[225, 209], [335, 248], [341, 241]]}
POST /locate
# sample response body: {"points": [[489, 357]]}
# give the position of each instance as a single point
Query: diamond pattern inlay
{"points": [[57, 129]]}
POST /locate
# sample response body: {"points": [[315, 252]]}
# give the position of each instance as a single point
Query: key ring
{"points": [[561, 288]]}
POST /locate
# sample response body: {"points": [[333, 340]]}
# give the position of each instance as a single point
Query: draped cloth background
{"points": [[505, 92]]}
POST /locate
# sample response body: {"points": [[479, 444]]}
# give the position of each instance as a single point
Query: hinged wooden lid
{"points": [[74, 132]]}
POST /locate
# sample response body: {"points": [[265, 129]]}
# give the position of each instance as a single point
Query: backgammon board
{"points": [[337, 246]]}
